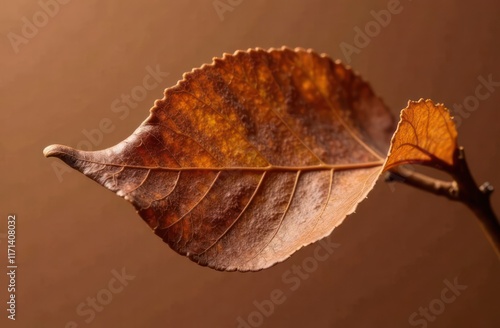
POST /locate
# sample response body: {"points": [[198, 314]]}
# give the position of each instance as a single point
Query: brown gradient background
{"points": [[395, 251]]}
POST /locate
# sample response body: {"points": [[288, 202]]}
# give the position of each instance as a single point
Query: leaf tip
{"points": [[51, 151], [59, 151], [68, 155]]}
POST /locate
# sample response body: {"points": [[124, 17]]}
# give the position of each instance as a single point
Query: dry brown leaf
{"points": [[250, 158], [426, 134]]}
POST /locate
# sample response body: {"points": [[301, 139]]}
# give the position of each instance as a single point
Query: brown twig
{"points": [[462, 189]]}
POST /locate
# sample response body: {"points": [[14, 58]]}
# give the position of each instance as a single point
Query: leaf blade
{"points": [[250, 158], [426, 134]]}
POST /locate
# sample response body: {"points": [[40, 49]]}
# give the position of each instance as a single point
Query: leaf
{"points": [[426, 134], [249, 158]]}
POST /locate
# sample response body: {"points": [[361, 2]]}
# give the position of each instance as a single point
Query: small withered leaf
{"points": [[426, 135], [250, 158]]}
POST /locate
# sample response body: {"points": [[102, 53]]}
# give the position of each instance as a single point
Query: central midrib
{"points": [[320, 167]]}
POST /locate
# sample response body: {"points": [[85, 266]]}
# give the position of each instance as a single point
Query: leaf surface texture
{"points": [[250, 158]]}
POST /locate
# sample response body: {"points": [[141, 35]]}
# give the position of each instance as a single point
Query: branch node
{"points": [[487, 188], [461, 153], [454, 191]]}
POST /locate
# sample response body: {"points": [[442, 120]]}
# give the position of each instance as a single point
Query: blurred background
{"points": [[73, 72]]}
